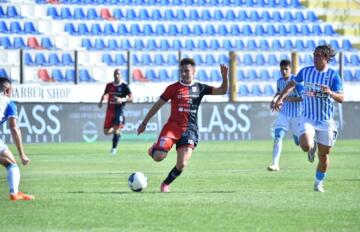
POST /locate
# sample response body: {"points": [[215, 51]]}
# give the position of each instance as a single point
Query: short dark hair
{"points": [[327, 50], [285, 62], [186, 61], [3, 82], [117, 71]]}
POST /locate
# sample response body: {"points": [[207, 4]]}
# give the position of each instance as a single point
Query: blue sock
{"points": [[320, 176]]}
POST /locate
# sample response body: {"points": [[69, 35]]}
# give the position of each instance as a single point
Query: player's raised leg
{"points": [[183, 155]]}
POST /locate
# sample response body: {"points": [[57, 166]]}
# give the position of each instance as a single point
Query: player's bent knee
{"points": [[159, 156]]}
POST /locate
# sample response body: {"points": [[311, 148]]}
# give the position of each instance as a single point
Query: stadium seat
{"points": [[264, 75], [282, 30], [240, 75], [219, 16], [256, 90], [271, 30], [265, 16], [276, 74], [177, 45], [130, 14], [264, 44], [86, 43], [328, 30], [43, 75], [210, 30], [311, 16], [164, 45], [122, 30], [355, 59], [305, 30], [247, 31], [156, 15], [28, 59], [243, 16], [235, 30], [120, 59], [52, 12], [288, 44], [248, 60], [148, 30], [118, 14], [15, 27], [66, 59], [169, 15], [92, 14], [174, 31], [19, 43], [70, 28], [276, 16], [251, 75], [152, 45], [95, 29], [227, 45], [260, 60], [254, 16], [69, 75], [11, 12], [107, 59], [79, 13], [99, 44], [174, 75], [251, 44], [54, 60], [136, 61], [214, 44], [224, 59], [181, 15], [84, 76], [293, 30], [316, 30], [57, 75], [268, 90], [172, 60], [205, 15], [346, 45], [109, 29], [159, 60], [3, 27], [164, 75], [33, 43], [198, 59], [299, 45], [243, 91], [210, 60], [347, 75], [46, 43], [150, 75], [288, 17], [202, 75], [239, 44], [194, 15], [65, 13], [160, 29], [139, 76], [189, 44], [185, 30], [105, 14], [357, 75], [113, 44], [272, 60], [197, 31], [135, 30], [40, 59], [3, 73], [215, 75], [335, 44]]}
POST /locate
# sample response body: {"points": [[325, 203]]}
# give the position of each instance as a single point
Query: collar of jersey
{"points": [[186, 84]]}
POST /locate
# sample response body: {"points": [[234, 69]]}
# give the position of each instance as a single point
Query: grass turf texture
{"points": [[81, 187]]}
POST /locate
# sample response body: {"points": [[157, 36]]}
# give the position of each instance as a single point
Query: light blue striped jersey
{"points": [[317, 105], [290, 109], [7, 108]]}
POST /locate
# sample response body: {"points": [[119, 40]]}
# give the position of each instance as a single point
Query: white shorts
{"points": [[325, 131], [287, 123], [3, 146]]}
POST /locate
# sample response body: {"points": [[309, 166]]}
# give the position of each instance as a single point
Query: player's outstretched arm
{"points": [[154, 109], [225, 83], [288, 88], [16, 135]]}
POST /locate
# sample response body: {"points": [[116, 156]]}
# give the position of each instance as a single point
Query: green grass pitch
{"points": [[226, 187]]}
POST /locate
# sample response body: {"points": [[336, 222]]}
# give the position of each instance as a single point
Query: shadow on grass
{"points": [[151, 192]]}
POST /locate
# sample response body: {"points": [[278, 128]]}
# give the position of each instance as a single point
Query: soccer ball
{"points": [[137, 181]]}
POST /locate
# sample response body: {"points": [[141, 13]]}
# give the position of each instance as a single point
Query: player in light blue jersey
{"points": [[322, 87], [290, 113], [8, 113]]}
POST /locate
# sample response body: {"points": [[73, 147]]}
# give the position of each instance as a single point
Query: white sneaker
{"points": [[311, 153], [113, 151], [273, 168], [319, 188]]}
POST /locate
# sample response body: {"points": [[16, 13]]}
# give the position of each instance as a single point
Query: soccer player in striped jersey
{"points": [[322, 87], [8, 112], [119, 94], [289, 114], [181, 128]]}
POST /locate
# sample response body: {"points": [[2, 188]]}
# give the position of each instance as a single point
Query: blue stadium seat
{"points": [[122, 30], [251, 75], [251, 44], [228, 45], [164, 75], [256, 90], [305, 30], [159, 60], [264, 44], [28, 59], [224, 59], [15, 27], [311, 16], [99, 44], [265, 16], [194, 15], [357, 75], [135, 30], [120, 59], [288, 17], [239, 44], [70, 28], [172, 59], [118, 14], [335, 44], [181, 15], [169, 15], [243, 91], [52, 12], [107, 59], [84, 76], [185, 30], [57, 75], [146, 60], [288, 44], [248, 60], [202, 44], [135, 60], [268, 90], [328, 30], [308, 60], [310, 45], [152, 45], [210, 29], [246, 30], [276, 74], [66, 59], [276, 16], [346, 45], [160, 29], [299, 45], [40, 59], [174, 31], [19, 43], [198, 59], [198, 31], [240, 75], [113, 44], [86, 43], [243, 16], [3, 73], [70, 75], [148, 30], [11, 12], [95, 29], [347, 75], [316, 29], [260, 60], [177, 44], [355, 59], [3, 27], [299, 17], [219, 16], [156, 15], [2, 13], [164, 45], [82, 29], [189, 44], [174, 75], [214, 44], [109, 29], [271, 30], [294, 30], [79, 13], [150, 75], [215, 75], [259, 30], [54, 59], [264, 75], [65, 13], [205, 15], [254, 16], [272, 60], [210, 60], [139, 44], [202, 75], [92, 14], [235, 30], [144, 14], [282, 30], [276, 45]]}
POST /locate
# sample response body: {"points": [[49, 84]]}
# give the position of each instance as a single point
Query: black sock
{"points": [[115, 140], [172, 175]]}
